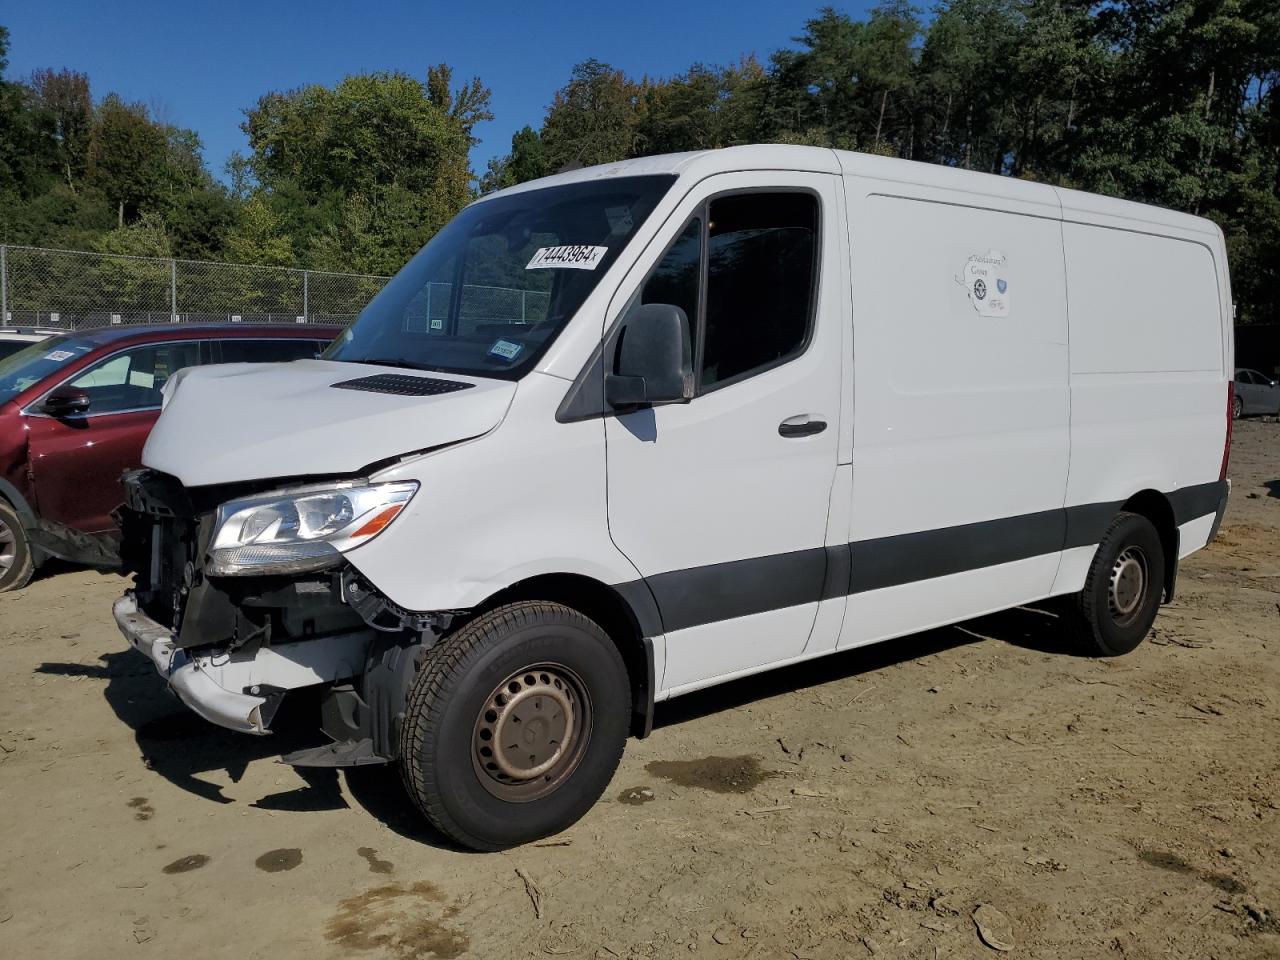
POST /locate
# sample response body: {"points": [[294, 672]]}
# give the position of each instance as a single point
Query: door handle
{"points": [[803, 425]]}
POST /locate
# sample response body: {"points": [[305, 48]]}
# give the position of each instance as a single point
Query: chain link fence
{"points": [[76, 290]]}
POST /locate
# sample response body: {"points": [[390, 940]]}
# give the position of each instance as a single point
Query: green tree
{"points": [[361, 175], [704, 108], [592, 119], [127, 156], [63, 97], [526, 161]]}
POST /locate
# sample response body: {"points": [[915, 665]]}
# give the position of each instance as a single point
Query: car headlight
{"points": [[300, 530]]}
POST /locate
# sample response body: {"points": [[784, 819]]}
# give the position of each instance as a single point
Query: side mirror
{"points": [[66, 402], [654, 361]]}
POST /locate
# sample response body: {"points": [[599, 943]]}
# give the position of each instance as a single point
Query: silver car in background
{"points": [[1255, 393]]}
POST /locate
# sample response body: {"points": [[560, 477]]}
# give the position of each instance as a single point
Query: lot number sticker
{"points": [[567, 258]]}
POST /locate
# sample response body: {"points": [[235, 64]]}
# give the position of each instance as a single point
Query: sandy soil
{"points": [[862, 805]]}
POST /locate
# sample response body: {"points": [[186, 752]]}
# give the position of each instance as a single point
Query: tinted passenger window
{"points": [[760, 272], [675, 279], [132, 380], [267, 351]]}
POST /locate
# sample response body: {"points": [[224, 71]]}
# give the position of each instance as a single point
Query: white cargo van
{"points": [[633, 430]]}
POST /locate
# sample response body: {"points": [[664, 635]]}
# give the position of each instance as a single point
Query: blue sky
{"points": [[201, 64]]}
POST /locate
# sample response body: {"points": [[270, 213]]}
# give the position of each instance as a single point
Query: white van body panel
{"points": [[961, 418], [467, 535], [262, 420]]}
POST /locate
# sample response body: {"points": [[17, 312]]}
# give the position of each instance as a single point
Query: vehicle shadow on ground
{"points": [[1030, 628], [184, 749], [1273, 488]]}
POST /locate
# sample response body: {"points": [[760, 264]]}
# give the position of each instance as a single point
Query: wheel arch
{"points": [[626, 612], [13, 496], [1155, 506]]}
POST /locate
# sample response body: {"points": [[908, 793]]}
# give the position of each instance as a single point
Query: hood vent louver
{"points": [[403, 386]]}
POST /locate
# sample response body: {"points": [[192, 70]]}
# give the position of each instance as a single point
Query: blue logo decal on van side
{"points": [[1002, 285]]}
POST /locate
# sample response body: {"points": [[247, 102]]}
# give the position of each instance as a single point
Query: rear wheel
{"points": [[16, 563], [1122, 592], [515, 725], [1237, 407]]}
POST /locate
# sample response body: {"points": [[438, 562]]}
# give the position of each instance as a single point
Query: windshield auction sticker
{"points": [[506, 350], [567, 258]]}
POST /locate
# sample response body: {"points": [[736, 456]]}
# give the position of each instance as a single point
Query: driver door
{"points": [[722, 503]]}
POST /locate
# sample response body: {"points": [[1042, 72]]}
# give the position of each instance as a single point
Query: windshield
{"points": [[9, 347], [36, 361], [490, 292]]}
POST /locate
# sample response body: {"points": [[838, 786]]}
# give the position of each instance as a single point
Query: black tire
{"points": [[16, 562], [559, 660], [1122, 592], [1237, 407]]}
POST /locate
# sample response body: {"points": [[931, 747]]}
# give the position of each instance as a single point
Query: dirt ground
{"points": [[861, 805]]}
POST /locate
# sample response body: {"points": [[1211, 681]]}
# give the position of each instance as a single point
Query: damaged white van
{"points": [[633, 430]]}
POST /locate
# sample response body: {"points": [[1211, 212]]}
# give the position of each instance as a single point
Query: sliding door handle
{"points": [[804, 425]]}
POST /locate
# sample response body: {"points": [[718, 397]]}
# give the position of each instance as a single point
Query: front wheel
{"points": [[515, 725], [1237, 407], [1122, 591], [16, 562]]}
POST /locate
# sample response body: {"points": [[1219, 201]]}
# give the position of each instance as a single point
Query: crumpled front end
{"points": [[232, 647], [229, 648]]}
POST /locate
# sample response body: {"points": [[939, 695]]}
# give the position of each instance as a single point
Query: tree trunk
{"points": [[120, 214], [884, 98], [968, 138]]}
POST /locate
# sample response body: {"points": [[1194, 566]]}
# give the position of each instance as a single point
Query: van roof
{"points": [[1070, 204]]}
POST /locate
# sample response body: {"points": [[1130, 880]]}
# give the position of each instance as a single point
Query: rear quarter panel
{"points": [[1150, 347]]}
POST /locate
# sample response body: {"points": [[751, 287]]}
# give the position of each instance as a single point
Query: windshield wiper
{"points": [[403, 364]]}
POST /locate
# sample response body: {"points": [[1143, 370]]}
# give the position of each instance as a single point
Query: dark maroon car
{"points": [[75, 411]]}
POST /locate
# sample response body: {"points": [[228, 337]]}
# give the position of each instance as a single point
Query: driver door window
{"points": [[133, 380], [759, 276]]}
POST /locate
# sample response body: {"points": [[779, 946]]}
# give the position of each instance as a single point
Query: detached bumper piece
{"points": [[100, 551], [187, 677], [240, 689]]}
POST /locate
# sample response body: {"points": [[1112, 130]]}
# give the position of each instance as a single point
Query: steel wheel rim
{"points": [[8, 548], [1128, 584], [531, 732]]}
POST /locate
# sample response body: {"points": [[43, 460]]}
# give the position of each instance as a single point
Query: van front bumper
{"points": [[240, 689], [188, 677]]}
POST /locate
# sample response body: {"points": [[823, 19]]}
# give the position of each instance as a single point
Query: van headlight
{"points": [[294, 531]]}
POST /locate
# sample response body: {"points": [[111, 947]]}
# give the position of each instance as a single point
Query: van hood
{"points": [[256, 421]]}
